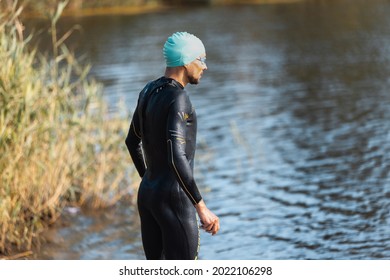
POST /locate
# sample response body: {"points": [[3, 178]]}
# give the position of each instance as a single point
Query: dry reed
{"points": [[58, 144]]}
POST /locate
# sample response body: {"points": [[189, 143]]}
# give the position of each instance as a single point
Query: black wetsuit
{"points": [[165, 122]]}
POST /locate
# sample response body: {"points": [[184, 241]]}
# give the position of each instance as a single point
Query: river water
{"points": [[294, 134]]}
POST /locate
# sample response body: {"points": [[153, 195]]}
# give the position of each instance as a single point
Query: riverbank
{"points": [[93, 8], [101, 11]]}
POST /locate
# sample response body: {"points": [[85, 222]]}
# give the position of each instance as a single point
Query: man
{"points": [[165, 123]]}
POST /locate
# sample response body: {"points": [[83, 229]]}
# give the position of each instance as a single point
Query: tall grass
{"points": [[58, 144]]}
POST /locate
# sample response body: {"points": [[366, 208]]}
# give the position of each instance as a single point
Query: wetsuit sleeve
{"points": [[176, 141], [134, 146]]}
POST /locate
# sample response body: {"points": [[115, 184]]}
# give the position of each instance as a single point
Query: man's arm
{"points": [[177, 159], [134, 146], [176, 145]]}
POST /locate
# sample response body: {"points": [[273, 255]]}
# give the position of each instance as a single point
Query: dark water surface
{"points": [[294, 132]]}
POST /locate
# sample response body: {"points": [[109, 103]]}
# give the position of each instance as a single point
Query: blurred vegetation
{"points": [[58, 144], [42, 7]]}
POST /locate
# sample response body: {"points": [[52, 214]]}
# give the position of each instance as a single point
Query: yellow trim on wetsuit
{"points": [[198, 248], [135, 132], [177, 173]]}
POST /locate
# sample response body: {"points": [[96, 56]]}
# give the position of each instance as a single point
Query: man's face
{"points": [[195, 69]]}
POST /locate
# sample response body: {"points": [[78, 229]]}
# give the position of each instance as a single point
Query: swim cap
{"points": [[182, 48]]}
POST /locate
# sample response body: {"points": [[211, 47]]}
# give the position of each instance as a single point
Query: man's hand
{"points": [[209, 221]]}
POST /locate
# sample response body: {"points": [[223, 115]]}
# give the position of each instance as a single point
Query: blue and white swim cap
{"points": [[182, 48]]}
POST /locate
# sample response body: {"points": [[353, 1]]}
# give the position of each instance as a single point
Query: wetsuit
{"points": [[165, 123]]}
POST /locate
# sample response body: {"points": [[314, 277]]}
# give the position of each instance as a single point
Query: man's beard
{"points": [[193, 81]]}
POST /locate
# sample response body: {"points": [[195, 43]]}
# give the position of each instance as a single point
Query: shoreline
{"points": [[115, 10], [148, 8], [101, 11]]}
